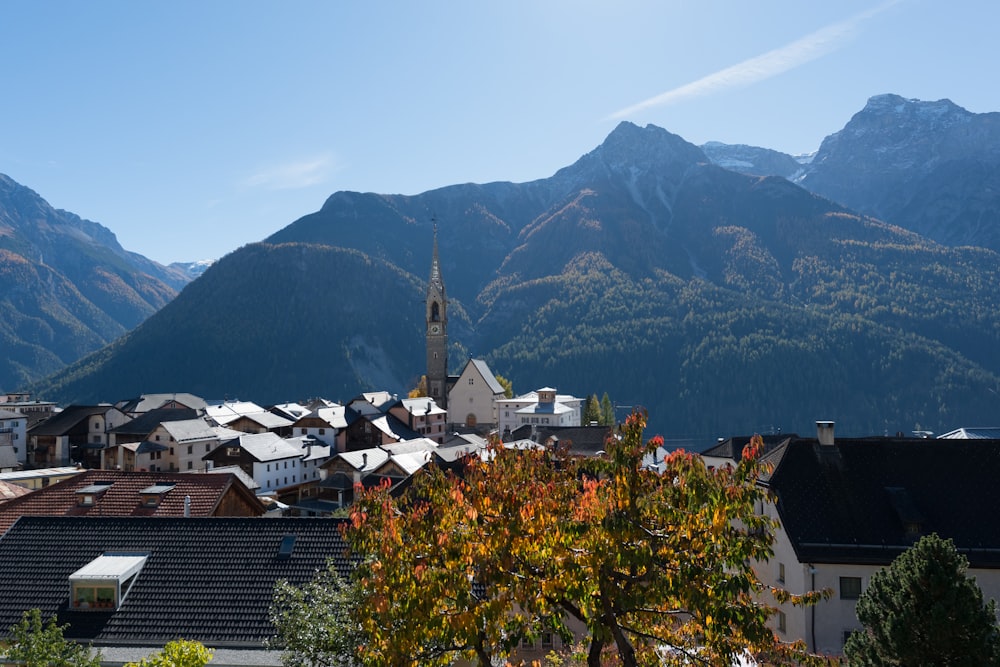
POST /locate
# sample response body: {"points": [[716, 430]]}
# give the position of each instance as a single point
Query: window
{"points": [[269, 467], [322, 431], [206, 446], [781, 573], [546, 640], [472, 381], [850, 588], [781, 621], [190, 449], [157, 438], [232, 451], [190, 465], [96, 438], [847, 635], [105, 581]]}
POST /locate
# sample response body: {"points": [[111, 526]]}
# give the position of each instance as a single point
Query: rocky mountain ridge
{"points": [[722, 302]]}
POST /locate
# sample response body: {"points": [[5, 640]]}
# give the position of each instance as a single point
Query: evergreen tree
{"points": [[924, 610], [592, 411], [607, 411]]}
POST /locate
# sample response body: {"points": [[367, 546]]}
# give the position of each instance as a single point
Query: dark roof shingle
{"points": [[205, 579]]}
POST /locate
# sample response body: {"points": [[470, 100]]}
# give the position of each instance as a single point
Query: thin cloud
{"points": [[765, 66], [293, 175]]}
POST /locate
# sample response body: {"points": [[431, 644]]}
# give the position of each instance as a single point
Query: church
{"points": [[470, 397]]}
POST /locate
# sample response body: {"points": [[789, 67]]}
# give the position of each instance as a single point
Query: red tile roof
{"points": [[123, 498]]}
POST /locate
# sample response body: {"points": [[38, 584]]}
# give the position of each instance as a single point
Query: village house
{"points": [[249, 417], [421, 415], [848, 507], [544, 407], [269, 459], [34, 411], [167, 401], [115, 493], [472, 400], [76, 434], [13, 439], [323, 424]]}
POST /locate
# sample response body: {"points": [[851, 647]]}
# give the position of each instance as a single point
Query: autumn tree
{"points": [[420, 390], [508, 386], [36, 643], [529, 541], [924, 609]]}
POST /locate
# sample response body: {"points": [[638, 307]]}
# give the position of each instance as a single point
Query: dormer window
{"points": [[103, 583], [89, 495], [152, 495]]}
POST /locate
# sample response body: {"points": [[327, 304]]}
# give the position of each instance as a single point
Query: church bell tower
{"points": [[437, 333]]}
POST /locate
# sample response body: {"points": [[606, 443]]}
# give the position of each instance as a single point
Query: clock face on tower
{"points": [[435, 328]]}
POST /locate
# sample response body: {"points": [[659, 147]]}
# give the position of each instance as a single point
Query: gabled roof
{"points": [[484, 371], [267, 446], [409, 446], [147, 422], [247, 480], [866, 500], [62, 422], [732, 447], [291, 411], [8, 414], [423, 405], [973, 433], [189, 430], [408, 463], [205, 579], [148, 402], [581, 440], [393, 427], [362, 460], [122, 497], [9, 491]]}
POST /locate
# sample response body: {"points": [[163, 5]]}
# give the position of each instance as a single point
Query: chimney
{"points": [[824, 433], [187, 506], [364, 460]]}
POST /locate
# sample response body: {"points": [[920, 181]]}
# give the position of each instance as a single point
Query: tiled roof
{"points": [[845, 502], [732, 447], [581, 440], [205, 579], [122, 497], [9, 491]]}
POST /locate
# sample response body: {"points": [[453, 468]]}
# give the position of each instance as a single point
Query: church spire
{"points": [[437, 332], [436, 280]]}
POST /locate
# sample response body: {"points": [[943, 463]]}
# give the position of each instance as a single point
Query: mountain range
{"points": [[724, 302]]}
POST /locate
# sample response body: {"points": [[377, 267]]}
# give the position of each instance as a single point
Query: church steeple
{"points": [[437, 332]]}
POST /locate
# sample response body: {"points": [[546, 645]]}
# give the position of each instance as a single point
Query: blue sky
{"points": [[192, 128]]}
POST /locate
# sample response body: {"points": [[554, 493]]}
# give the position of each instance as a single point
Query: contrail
{"points": [[759, 68]]}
